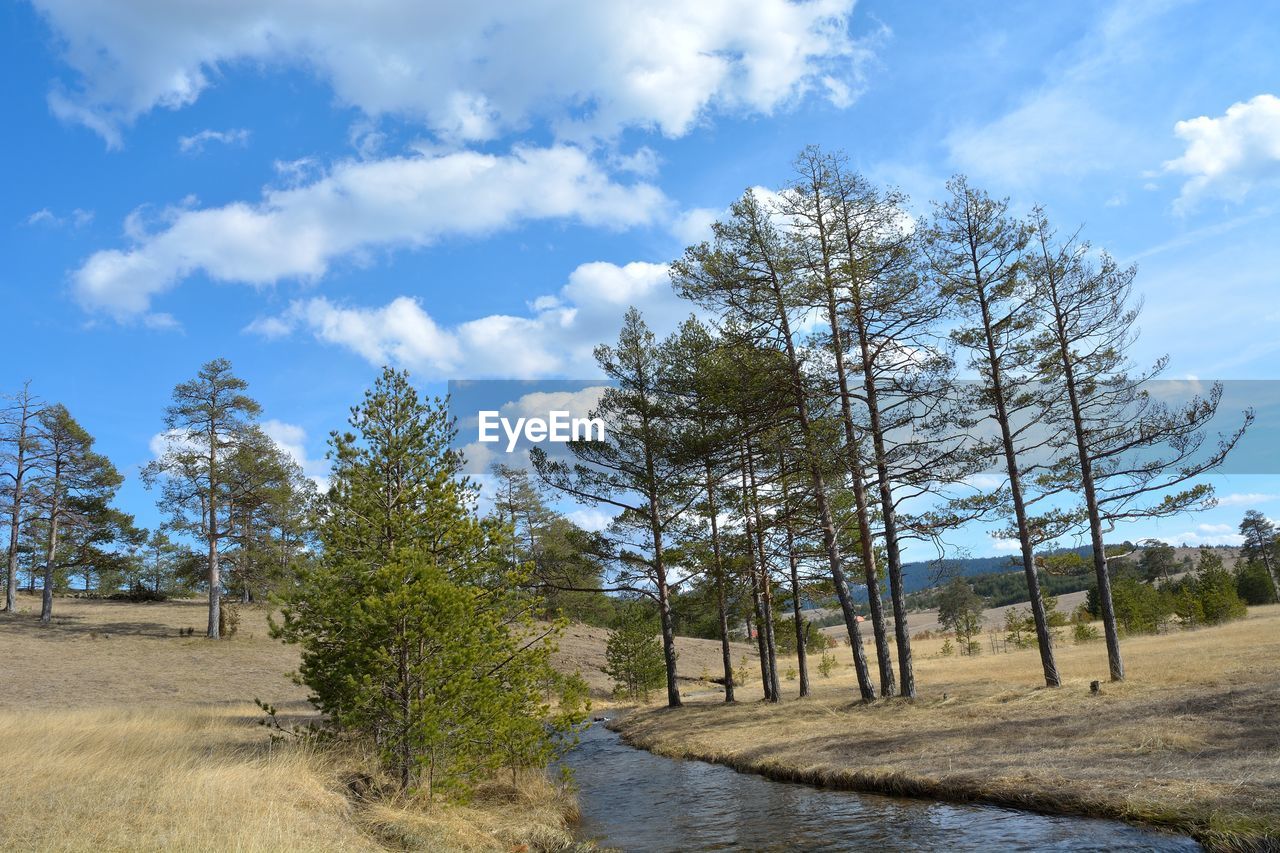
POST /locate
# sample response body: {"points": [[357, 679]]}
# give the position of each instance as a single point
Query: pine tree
{"points": [[74, 482], [975, 249], [637, 470], [1134, 456], [415, 629], [1261, 546], [751, 274], [634, 656], [206, 422], [18, 455]]}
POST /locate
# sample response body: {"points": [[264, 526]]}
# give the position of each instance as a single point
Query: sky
{"points": [[315, 189]]}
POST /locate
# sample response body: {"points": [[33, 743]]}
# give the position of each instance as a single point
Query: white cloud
{"points": [[1249, 499], [694, 226], [410, 201], [1229, 155], [556, 337], [1005, 545], [291, 439], [195, 143], [1207, 534], [469, 71], [590, 518], [78, 218]]}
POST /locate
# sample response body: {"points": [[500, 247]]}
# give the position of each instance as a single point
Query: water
{"points": [[633, 800]]}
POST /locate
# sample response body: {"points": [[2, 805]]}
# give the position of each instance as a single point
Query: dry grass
{"points": [[169, 780], [581, 649], [1191, 741], [118, 734]]}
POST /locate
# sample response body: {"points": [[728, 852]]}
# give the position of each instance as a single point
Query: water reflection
{"points": [[635, 801]]}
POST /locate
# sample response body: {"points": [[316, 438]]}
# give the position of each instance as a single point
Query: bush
{"points": [[826, 664], [1253, 584], [228, 619], [1085, 633], [634, 654], [947, 649]]}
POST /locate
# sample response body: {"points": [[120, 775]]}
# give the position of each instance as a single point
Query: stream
{"points": [[632, 800]]}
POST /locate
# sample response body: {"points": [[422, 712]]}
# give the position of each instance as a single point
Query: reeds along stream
{"points": [[633, 800]]}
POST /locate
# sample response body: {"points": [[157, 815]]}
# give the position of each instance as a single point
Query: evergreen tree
{"points": [[636, 470], [1262, 547], [976, 249], [19, 444], [415, 629], [205, 424], [634, 655], [751, 273], [1134, 456], [74, 484]]}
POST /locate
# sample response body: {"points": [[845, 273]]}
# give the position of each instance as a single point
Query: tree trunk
{"points": [[902, 634], [766, 586], [857, 474], [718, 569], [215, 579], [1044, 640], [826, 522], [50, 555], [1115, 662], [761, 643], [802, 659], [802, 654], [15, 522]]}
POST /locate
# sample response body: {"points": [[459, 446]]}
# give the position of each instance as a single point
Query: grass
{"points": [[116, 733], [1190, 742]]}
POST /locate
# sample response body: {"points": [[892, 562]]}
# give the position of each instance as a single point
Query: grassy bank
{"points": [[116, 733], [1191, 742]]}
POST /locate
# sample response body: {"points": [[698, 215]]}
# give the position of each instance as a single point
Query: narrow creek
{"points": [[632, 800]]}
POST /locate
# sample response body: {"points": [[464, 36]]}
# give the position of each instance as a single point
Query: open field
{"points": [[1191, 741], [582, 650], [118, 734], [919, 621]]}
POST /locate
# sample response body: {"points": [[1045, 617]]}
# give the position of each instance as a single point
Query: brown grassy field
{"points": [[1191, 741], [118, 734]]}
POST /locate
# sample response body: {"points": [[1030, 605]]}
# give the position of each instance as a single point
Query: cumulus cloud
{"points": [[410, 201], [1230, 155], [555, 337], [469, 71], [291, 439], [195, 143]]}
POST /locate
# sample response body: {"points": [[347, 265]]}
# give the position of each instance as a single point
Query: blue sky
{"points": [[313, 190]]}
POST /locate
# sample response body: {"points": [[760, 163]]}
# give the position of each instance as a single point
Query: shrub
{"points": [[826, 664], [634, 655], [1085, 633], [1253, 584]]}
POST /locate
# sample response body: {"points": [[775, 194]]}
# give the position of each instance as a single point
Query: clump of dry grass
{"points": [[178, 779], [119, 779], [1191, 741], [118, 733]]}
